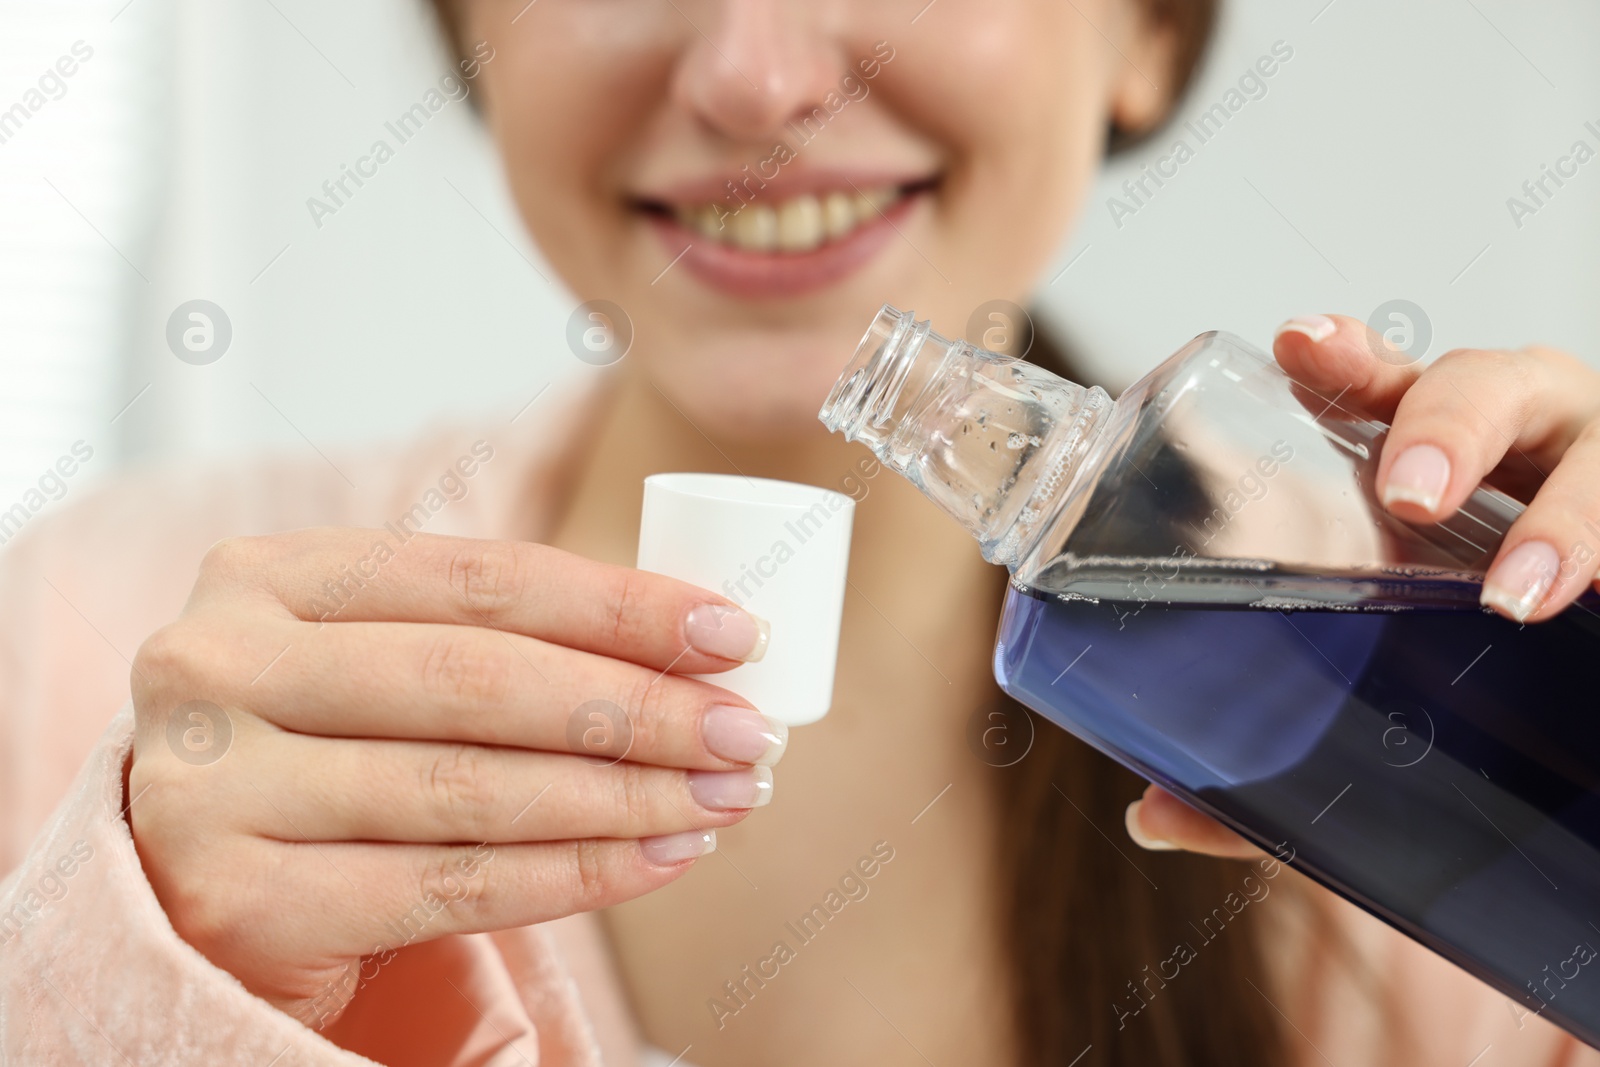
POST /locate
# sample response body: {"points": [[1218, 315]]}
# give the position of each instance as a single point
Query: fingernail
{"points": [[1316, 327], [1140, 838], [743, 735], [669, 849], [731, 790], [1419, 476], [718, 630], [1518, 583]]}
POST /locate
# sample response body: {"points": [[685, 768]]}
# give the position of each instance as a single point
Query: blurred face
{"points": [[750, 179]]}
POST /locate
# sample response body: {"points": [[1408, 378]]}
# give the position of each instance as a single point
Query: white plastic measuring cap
{"points": [[777, 549]]}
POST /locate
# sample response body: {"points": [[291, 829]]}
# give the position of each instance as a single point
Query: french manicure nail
{"points": [[1518, 583], [743, 735], [1316, 327], [1419, 476], [670, 849], [1140, 838], [731, 790], [719, 630]]}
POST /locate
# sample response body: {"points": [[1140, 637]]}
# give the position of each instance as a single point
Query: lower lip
{"points": [[775, 275]]}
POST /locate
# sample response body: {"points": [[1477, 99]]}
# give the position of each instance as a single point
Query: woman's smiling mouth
{"points": [[781, 241]]}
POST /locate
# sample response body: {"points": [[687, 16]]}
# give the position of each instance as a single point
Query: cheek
{"points": [[1019, 94], [569, 96]]}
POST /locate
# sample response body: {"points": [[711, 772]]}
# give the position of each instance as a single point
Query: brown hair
{"points": [[1101, 945], [1084, 928]]}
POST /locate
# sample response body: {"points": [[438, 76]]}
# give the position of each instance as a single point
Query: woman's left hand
{"points": [[1527, 421]]}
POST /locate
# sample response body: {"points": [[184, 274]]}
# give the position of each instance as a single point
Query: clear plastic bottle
{"points": [[1206, 588]]}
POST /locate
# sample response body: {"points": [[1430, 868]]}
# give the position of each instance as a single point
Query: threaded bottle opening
{"points": [[988, 438], [861, 400]]}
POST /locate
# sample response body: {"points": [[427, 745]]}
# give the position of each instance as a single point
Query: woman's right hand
{"points": [[338, 754]]}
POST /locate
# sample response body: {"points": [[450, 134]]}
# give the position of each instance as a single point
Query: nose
{"points": [[751, 64]]}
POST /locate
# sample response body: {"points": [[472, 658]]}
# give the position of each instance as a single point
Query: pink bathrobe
{"points": [[91, 971]]}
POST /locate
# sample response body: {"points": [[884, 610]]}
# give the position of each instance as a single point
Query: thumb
{"points": [[1161, 822]]}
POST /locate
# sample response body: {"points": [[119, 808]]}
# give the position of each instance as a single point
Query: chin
{"points": [[765, 389]]}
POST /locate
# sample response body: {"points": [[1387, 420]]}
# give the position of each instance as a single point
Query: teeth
{"points": [[838, 215], [800, 224], [709, 222], [796, 225], [755, 229]]}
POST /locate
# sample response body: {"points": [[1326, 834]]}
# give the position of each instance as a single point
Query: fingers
{"points": [[1461, 420], [484, 888], [315, 789], [465, 683], [371, 899], [1341, 359], [1549, 556], [1468, 411], [1162, 822], [1473, 414], [347, 575]]}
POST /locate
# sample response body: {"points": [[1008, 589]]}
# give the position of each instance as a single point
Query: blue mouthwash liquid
{"points": [[1406, 757]]}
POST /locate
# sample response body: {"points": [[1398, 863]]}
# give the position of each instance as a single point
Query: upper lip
{"points": [[787, 184]]}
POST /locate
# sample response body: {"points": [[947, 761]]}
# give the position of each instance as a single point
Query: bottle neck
{"points": [[990, 439]]}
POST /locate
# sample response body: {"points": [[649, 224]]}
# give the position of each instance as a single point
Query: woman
{"points": [[347, 787]]}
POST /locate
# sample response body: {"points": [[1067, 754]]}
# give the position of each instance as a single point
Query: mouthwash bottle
{"points": [[1205, 587]]}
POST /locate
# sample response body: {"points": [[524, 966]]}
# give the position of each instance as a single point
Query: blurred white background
{"points": [[177, 162]]}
